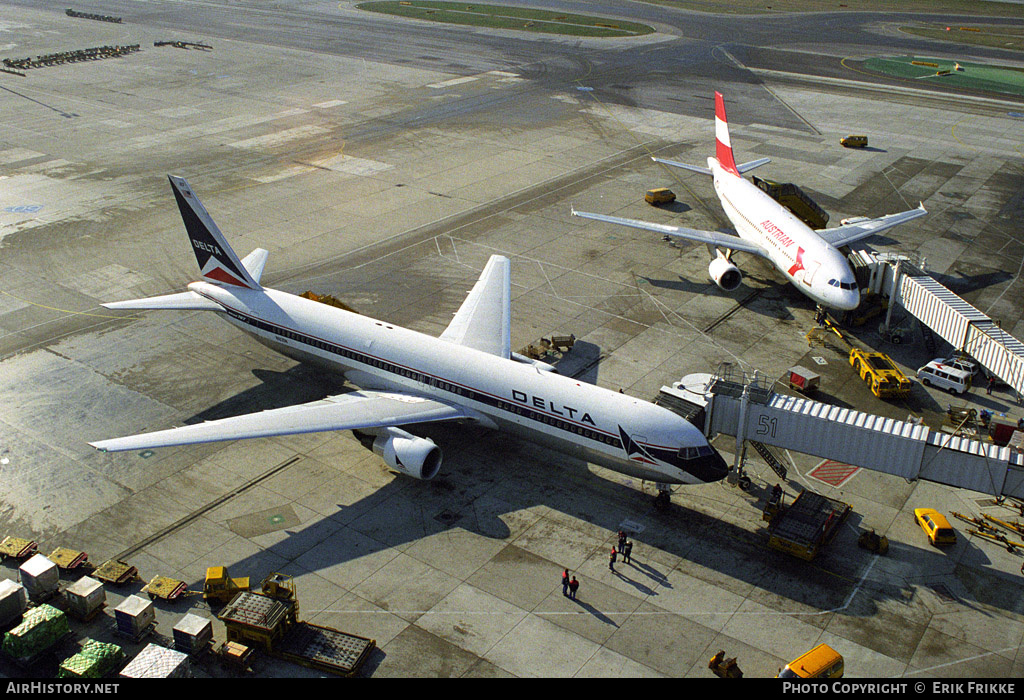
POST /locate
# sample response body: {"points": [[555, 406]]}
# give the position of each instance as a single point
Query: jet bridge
{"points": [[902, 279], [751, 410]]}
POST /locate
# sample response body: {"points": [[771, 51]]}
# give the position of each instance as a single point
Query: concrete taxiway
{"points": [[385, 172]]}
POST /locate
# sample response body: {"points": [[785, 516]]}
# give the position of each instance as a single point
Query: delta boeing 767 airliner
{"points": [[467, 374], [809, 259]]}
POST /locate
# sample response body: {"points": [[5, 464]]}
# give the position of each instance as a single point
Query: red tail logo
{"points": [[723, 145]]}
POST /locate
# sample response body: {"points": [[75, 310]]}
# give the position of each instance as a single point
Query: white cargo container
{"points": [[85, 597], [134, 616], [193, 634], [156, 661], [40, 576], [13, 601]]}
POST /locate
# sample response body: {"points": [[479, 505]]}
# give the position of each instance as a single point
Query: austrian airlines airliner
{"points": [[809, 259], [467, 374]]}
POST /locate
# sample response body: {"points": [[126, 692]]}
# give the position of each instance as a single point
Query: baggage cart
{"points": [[803, 380], [116, 572], [17, 547], [805, 527], [324, 649], [68, 559], [165, 588]]}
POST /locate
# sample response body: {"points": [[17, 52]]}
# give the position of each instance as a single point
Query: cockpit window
{"points": [[695, 452]]}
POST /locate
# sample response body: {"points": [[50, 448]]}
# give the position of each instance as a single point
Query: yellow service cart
{"points": [[165, 588], [116, 572]]}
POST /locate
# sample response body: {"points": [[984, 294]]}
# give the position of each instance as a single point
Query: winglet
{"points": [[217, 261], [723, 145]]}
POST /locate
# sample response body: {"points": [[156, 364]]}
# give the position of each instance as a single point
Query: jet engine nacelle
{"points": [[726, 275], [414, 456]]}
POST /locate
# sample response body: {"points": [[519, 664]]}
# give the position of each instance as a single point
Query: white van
{"points": [[943, 376]]}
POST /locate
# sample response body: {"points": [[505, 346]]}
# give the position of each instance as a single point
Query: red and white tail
{"points": [[723, 145]]}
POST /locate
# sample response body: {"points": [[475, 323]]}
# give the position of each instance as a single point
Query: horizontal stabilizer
{"points": [[742, 168], [254, 262], [358, 410], [181, 301], [684, 166], [750, 165]]}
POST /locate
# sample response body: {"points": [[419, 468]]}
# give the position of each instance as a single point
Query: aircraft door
{"points": [[809, 272]]}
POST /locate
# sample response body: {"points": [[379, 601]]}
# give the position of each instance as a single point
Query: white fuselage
{"points": [[814, 266], [589, 422]]}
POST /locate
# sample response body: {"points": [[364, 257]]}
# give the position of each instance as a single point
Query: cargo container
{"points": [[85, 597], [13, 601], [135, 617], [40, 630], [95, 660], [193, 634], [156, 661], [40, 576]]}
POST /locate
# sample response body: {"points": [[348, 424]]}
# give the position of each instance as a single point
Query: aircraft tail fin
{"points": [[723, 145], [217, 261], [723, 148]]}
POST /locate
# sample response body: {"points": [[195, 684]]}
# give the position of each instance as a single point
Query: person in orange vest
{"points": [[611, 559], [565, 582]]}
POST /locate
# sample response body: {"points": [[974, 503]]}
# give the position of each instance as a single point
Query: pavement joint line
{"points": [[473, 215], [881, 87], [160, 534]]}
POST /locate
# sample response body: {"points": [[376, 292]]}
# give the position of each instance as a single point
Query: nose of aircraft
{"points": [[708, 467], [843, 299]]}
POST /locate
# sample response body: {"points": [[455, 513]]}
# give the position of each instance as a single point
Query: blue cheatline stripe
{"points": [[431, 380]]}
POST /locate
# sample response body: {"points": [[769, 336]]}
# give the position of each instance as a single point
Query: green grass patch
{"points": [[501, 17], [973, 8], [974, 76], [995, 37]]}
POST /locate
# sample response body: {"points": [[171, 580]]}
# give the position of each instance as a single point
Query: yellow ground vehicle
{"points": [[882, 376], [820, 662], [219, 587], [660, 195], [935, 525], [854, 141]]}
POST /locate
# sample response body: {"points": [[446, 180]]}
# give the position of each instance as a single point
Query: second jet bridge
{"points": [[752, 411]]}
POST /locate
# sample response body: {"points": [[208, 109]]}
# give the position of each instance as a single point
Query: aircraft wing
{"points": [[352, 411], [844, 235], [713, 238], [484, 321]]}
